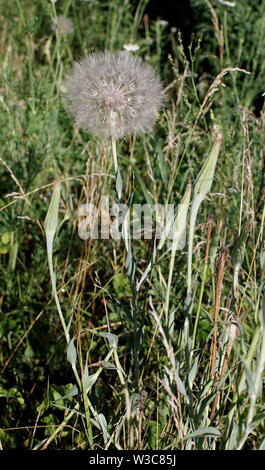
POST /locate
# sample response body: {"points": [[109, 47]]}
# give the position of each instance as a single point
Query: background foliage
{"points": [[154, 388]]}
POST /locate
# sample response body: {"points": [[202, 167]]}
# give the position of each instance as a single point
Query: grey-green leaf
{"points": [[204, 432], [71, 352], [112, 339]]}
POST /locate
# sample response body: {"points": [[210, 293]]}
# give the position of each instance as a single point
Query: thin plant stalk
{"points": [[119, 182], [257, 377], [233, 329], [60, 427], [220, 276], [114, 154], [86, 403], [207, 249]]}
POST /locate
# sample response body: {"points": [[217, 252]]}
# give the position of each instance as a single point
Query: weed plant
{"points": [[154, 347]]}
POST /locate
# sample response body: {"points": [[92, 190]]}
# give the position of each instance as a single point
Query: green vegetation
{"points": [[175, 361]]}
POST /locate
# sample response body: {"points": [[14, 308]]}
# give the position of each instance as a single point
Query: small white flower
{"points": [[163, 22], [173, 29], [225, 3], [131, 47]]}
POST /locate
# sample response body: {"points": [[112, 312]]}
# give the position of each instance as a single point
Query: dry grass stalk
{"points": [[221, 267]]}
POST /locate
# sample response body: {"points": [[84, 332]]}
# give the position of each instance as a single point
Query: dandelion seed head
{"points": [[113, 94], [63, 25]]}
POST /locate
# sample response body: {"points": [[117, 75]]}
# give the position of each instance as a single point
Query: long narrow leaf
{"points": [[202, 188], [50, 227]]}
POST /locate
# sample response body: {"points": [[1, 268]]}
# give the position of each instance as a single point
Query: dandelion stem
{"points": [[119, 182], [114, 154]]}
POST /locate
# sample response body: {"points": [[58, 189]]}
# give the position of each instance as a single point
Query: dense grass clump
{"points": [[133, 343]]}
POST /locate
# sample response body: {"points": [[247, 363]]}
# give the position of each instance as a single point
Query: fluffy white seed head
{"points": [[63, 25], [113, 94]]}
